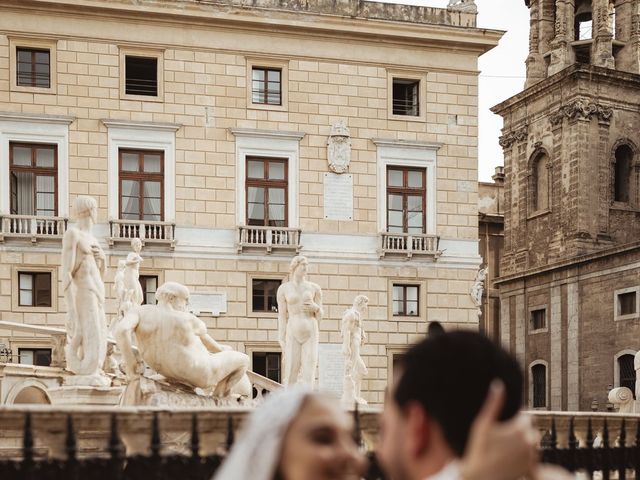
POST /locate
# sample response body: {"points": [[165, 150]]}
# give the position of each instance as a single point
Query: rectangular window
{"points": [[406, 200], [627, 303], [141, 185], [267, 192], [263, 295], [34, 289], [141, 75], [266, 86], [35, 356], [406, 300], [406, 97], [538, 319], [149, 285], [33, 67], [34, 179], [267, 364]]}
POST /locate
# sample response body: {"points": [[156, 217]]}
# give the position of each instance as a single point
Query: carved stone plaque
{"points": [[338, 196], [330, 368], [213, 303]]}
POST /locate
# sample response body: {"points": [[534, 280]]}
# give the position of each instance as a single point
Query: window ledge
{"points": [[36, 90], [539, 213], [631, 316], [262, 314], [142, 98], [411, 318], [539, 331], [624, 206], [408, 118], [264, 106], [150, 233]]}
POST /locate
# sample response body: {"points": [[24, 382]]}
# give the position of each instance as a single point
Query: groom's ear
{"points": [[419, 429]]}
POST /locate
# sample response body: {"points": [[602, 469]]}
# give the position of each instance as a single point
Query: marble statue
{"points": [[83, 269], [463, 6], [478, 289], [299, 314], [353, 336], [127, 280], [175, 344]]}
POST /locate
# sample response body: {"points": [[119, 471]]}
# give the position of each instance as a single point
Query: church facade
{"points": [[569, 278], [230, 138]]}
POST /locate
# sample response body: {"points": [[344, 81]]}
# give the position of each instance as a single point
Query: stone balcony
{"points": [[268, 239], [409, 245], [33, 228], [149, 232]]}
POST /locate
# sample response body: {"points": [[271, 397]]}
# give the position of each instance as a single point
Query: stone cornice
{"points": [[514, 136], [389, 142], [250, 132], [582, 108], [109, 123], [36, 118]]}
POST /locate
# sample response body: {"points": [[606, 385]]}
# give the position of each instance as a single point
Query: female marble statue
{"points": [[83, 269], [127, 280], [299, 314], [353, 336]]}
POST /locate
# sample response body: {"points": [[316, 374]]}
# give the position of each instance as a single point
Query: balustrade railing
{"points": [[147, 231], [409, 244], [32, 227], [269, 238]]}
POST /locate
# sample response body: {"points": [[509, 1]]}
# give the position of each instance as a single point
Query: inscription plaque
{"points": [[338, 196], [330, 368]]}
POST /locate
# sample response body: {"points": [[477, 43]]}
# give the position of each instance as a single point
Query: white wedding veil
{"points": [[256, 453]]}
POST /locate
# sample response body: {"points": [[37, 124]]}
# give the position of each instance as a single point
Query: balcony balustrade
{"points": [[32, 227], [268, 238], [149, 232], [409, 244]]}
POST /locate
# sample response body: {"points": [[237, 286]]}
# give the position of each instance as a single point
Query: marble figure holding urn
{"points": [[83, 269], [176, 344], [299, 314]]}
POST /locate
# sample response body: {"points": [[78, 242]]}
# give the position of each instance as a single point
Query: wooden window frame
{"points": [[35, 170], [408, 74], [32, 43], [142, 277], [34, 303], [265, 84], [158, 54], [264, 294], [33, 73], [266, 184], [266, 354], [404, 312], [34, 350], [141, 176], [406, 191]]}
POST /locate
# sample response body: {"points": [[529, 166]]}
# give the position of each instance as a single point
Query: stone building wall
{"points": [[335, 67]]}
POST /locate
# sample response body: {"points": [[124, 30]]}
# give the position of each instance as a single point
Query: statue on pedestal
{"points": [[299, 314], [477, 289], [127, 280], [175, 343], [353, 336], [83, 269]]}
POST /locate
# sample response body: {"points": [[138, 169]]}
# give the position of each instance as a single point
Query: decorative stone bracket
{"points": [[510, 138], [582, 108]]}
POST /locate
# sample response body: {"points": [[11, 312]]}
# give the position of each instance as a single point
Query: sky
{"points": [[502, 70]]}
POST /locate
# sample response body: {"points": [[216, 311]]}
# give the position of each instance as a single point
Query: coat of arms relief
{"points": [[339, 148]]}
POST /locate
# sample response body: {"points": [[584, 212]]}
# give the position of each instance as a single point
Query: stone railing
{"points": [[262, 386], [409, 244], [149, 232], [269, 238], [32, 227]]}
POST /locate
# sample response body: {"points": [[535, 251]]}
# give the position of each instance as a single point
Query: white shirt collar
{"points": [[451, 471]]}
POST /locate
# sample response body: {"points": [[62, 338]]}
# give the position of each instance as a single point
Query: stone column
{"points": [[602, 49], [536, 68], [561, 53], [555, 333], [573, 347]]}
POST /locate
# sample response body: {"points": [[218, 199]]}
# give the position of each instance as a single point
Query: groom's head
{"points": [[438, 389]]}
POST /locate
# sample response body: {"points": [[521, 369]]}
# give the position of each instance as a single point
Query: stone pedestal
{"points": [[85, 395]]}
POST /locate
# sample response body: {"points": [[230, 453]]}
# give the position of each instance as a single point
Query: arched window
{"points": [[626, 372], [540, 183], [539, 386], [622, 173], [583, 20]]}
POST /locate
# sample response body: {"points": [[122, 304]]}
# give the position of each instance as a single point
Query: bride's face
{"points": [[319, 444]]}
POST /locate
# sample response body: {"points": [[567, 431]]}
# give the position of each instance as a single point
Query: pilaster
{"points": [[602, 50]]}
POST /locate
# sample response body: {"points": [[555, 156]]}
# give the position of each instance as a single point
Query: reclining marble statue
{"points": [[175, 344], [83, 269], [299, 314], [353, 336]]}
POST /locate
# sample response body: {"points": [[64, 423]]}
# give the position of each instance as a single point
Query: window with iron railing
{"points": [[141, 76], [33, 67], [266, 86], [406, 97], [35, 356]]}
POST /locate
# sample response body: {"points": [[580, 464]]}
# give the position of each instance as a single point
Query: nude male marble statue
{"points": [[353, 336], [299, 314], [175, 343], [127, 281], [83, 270]]}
